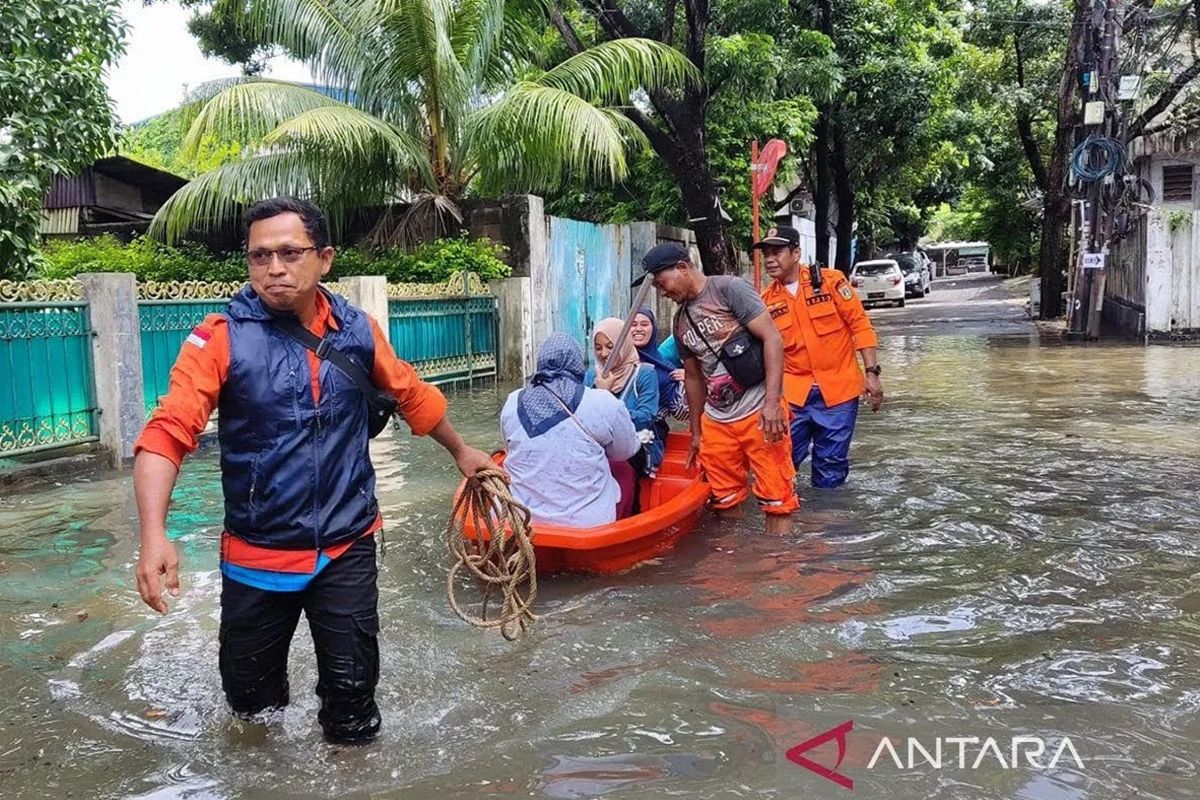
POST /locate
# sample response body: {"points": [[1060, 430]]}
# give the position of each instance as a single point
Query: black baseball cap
{"points": [[780, 235], [660, 257]]}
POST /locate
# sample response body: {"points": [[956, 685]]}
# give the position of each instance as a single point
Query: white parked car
{"points": [[879, 281]]}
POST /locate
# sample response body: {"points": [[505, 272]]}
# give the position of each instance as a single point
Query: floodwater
{"points": [[1016, 555]]}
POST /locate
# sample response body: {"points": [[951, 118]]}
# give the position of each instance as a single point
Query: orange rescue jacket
{"points": [[821, 333]]}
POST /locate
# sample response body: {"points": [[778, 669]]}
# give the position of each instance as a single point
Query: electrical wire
{"points": [[1098, 157]]}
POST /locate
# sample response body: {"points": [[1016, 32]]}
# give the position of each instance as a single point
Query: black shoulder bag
{"points": [[742, 354], [381, 405]]}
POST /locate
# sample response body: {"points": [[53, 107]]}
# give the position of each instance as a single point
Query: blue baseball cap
{"points": [[660, 257]]}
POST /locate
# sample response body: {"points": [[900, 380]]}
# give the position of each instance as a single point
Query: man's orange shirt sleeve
{"points": [[852, 312], [422, 405], [195, 386]]}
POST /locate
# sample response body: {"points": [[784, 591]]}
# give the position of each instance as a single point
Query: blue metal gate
{"points": [[588, 277]]}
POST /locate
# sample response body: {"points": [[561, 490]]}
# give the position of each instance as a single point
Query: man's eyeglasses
{"points": [[288, 255]]}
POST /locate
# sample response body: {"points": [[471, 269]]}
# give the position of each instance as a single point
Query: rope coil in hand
{"points": [[497, 553]]}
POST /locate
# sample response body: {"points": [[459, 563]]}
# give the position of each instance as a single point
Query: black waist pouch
{"points": [[742, 355]]}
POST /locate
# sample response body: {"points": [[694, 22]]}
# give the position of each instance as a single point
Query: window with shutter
{"points": [[1177, 182]]}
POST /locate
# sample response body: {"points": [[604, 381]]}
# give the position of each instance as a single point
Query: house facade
{"points": [[1152, 283], [114, 195]]}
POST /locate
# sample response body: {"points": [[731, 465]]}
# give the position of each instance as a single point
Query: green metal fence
{"points": [[46, 394], [164, 325], [446, 339], [47, 380]]}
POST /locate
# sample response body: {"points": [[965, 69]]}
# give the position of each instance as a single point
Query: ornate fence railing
{"points": [[47, 398], [448, 331], [447, 334]]}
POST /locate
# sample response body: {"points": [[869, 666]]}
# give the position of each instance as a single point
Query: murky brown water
{"points": [[1016, 554]]}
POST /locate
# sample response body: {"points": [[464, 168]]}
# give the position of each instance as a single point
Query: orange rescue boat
{"points": [[671, 503]]}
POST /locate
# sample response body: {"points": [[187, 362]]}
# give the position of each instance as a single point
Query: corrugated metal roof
{"points": [[59, 221], [80, 190], [73, 192]]}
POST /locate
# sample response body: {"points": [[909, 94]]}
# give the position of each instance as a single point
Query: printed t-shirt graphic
{"points": [[725, 305]]}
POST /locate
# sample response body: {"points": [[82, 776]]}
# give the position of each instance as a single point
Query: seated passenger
{"points": [[560, 437], [636, 384], [668, 369]]}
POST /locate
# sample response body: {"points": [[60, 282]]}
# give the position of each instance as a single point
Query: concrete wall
{"points": [[117, 360], [1153, 278], [516, 222], [369, 292], [525, 299], [514, 300]]}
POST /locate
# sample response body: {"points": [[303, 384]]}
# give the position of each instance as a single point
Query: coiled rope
{"points": [[498, 555]]}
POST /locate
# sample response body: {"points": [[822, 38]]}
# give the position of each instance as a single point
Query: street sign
{"points": [[1093, 260]]}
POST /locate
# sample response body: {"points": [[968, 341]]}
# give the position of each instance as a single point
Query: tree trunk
{"points": [[845, 199], [679, 140], [1052, 259], [823, 189], [1056, 207], [680, 145], [700, 200]]}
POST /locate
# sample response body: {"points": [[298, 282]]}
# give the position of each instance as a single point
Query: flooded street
{"points": [[1017, 553]]}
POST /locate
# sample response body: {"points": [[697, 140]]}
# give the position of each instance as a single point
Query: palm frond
{"points": [[326, 34], [537, 136], [337, 183], [247, 111], [428, 216], [611, 71], [353, 136], [414, 37]]}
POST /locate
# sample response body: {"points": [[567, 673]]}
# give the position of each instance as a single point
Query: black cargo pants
{"points": [[341, 605]]}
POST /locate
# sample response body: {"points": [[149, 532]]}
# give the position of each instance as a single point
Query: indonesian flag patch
{"points": [[198, 337]]}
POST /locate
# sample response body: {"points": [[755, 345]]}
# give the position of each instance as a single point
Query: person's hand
{"points": [[158, 558], [471, 462], [874, 392], [677, 375], [773, 424], [693, 458], [605, 382]]}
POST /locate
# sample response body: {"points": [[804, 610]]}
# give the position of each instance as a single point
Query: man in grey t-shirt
{"points": [[735, 428]]}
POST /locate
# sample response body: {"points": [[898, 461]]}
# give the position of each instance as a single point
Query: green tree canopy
{"points": [[55, 116], [437, 100]]}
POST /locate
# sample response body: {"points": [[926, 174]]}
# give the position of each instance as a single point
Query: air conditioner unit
{"points": [[798, 206]]}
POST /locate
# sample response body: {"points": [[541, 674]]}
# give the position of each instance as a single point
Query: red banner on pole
{"points": [[766, 164]]}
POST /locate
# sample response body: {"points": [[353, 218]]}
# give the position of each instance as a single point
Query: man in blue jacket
{"points": [[300, 508]]}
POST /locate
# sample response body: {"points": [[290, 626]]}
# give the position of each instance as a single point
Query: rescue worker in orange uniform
{"points": [[822, 322]]}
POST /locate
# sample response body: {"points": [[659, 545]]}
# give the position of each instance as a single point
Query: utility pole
{"points": [[1101, 156]]}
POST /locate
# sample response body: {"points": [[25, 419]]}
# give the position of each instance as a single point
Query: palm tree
{"points": [[436, 99]]}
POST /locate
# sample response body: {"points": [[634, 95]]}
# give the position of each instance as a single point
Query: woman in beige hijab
{"points": [[637, 385]]}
